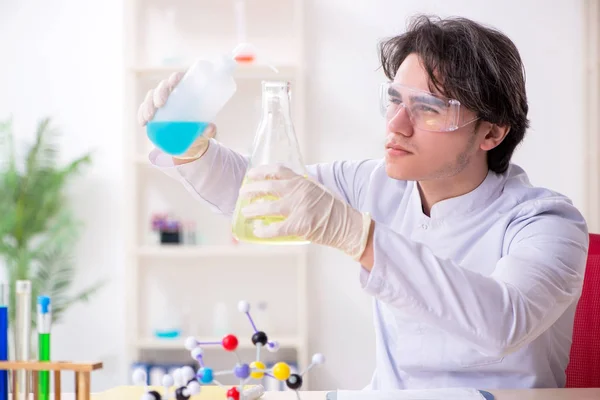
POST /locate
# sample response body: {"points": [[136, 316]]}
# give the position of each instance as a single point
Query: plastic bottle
{"points": [[275, 143], [202, 92]]}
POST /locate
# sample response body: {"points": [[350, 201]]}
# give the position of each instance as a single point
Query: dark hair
{"points": [[476, 65]]}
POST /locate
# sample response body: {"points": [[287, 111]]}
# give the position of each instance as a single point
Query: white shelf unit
{"points": [[198, 252], [189, 279], [161, 344], [243, 71]]}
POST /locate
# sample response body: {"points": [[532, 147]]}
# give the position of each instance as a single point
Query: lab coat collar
{"points": [[481, 196]]}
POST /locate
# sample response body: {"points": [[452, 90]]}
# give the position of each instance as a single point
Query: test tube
{"points": [[44, 309], [4, 291], [22, 338]]}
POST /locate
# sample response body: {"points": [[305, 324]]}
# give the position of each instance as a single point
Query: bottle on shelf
{"points": [[166, 317], [190, 235], [245, 52]]}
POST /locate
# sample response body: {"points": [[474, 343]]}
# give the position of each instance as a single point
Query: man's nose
{"points": [[400, 122]]}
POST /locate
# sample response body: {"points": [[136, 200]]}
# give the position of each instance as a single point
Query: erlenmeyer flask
{"points": [[275, 143]]}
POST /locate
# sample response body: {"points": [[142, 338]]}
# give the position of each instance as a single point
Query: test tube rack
{"points": [[82, 373]]}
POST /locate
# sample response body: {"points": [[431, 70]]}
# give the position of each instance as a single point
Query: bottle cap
{"points": [[44, 303]]}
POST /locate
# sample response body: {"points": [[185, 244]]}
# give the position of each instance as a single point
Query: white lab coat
{"points": [[481, 294]]}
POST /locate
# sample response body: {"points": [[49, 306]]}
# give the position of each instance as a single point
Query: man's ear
{"points": [[494, 136]]}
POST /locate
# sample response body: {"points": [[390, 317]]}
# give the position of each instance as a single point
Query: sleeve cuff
{"points": [[164, 162], [160, 159]]}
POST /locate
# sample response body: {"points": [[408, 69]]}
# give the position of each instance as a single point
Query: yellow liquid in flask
{"points": [[243, 228]]}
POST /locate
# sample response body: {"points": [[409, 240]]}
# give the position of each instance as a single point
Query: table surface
{"points": [[519, 394], [531, 394]]}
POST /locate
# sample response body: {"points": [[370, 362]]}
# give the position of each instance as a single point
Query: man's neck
{"points": [[436, 190]]}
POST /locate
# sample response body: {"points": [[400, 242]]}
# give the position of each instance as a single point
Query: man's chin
{"points": [[403, 173]]}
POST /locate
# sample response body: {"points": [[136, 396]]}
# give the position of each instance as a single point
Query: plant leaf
{"points": [[37, 228]]}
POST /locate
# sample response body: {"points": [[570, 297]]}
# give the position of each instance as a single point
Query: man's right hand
{"points": [[156, 98]]}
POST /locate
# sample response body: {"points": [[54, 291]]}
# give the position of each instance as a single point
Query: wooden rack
{"points": [[82, 375]]}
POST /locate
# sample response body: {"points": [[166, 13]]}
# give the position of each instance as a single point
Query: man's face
{"points": [[417, 154]]}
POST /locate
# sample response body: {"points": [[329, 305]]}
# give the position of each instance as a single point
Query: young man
{"points": [[475, 273]]}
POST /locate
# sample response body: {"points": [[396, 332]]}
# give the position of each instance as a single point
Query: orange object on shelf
{"points": [[245, 58]]}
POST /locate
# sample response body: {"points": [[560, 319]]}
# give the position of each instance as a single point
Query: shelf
{"points": [[241, 250], [284, 47], [178, 344], [250, 71]]}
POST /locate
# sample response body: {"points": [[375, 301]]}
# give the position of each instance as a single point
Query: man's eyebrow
{"points": [[434, 101], [431, 100], [393, 92]]}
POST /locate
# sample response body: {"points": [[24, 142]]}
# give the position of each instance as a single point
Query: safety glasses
{"points": [[425, 110]]}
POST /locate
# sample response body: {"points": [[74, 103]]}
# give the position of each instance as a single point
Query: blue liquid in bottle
{"points": [[174, 137]]}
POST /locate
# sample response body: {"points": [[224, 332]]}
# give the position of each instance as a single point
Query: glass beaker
{"points": [[275, 143]]}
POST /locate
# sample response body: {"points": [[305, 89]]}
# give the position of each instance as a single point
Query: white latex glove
{"points": [[312, 212], [156, 98]]}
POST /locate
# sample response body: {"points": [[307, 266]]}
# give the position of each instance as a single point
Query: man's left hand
{"points": [[311, 212]]}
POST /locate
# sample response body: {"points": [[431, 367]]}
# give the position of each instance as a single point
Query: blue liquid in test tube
{"points": [[3, 339]]}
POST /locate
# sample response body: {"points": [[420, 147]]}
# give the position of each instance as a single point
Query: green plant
{"points": [[38, 230]]}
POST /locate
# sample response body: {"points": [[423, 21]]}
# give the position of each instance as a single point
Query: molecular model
{"points": [[188, 382]]}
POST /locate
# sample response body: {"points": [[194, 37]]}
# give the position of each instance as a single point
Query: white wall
{"points": [[63, 58]]}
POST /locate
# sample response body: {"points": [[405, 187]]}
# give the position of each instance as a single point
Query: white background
{"points": [[63, 58]]}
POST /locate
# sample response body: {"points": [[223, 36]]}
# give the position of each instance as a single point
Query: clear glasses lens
{"points": [[426, 111]]}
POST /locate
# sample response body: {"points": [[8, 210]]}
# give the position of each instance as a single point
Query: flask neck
{"points": [[275, 141], [276, 98]]}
